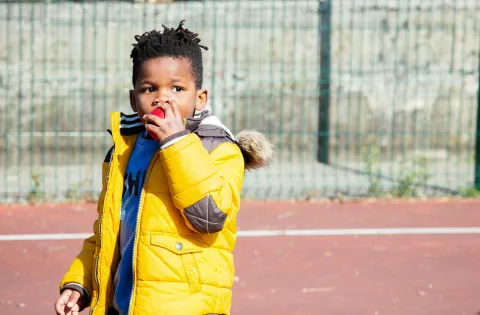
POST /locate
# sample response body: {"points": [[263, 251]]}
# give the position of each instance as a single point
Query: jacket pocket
{"points": [[184, 247]]}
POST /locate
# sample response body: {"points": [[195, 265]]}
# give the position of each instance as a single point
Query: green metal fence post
{"points": [[477, 134], [325, 29]]}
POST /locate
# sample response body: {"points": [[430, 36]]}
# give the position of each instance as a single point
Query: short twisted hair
{"points": [[175, 43]]}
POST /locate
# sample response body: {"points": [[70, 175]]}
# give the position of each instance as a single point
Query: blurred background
{"points": [[360, 97]]}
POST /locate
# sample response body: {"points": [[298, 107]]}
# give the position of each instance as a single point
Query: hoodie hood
{"points": [[257, 150]]}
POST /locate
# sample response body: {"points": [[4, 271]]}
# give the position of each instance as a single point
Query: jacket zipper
{"points": [[100, 236], [133, 255], [140, 206]]}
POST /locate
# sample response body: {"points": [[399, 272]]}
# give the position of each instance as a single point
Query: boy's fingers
{"points": [[73, 299], [176, 110], [74, 311], [66, 295], [62, 302], [152, 119], [152, 128], [60, 308], [169, 113]]}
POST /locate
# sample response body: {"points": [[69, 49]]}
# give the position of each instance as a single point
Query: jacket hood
{"points": [[257, 150]]}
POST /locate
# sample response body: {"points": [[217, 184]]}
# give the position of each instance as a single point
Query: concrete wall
{"points": [[404, 74]]}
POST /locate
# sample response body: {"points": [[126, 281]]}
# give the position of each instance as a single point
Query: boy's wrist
{"points": [[168, 141], [85, 295]]}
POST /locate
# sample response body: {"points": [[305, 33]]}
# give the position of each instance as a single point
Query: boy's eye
{"points": [[177, 89], [148, 90]]}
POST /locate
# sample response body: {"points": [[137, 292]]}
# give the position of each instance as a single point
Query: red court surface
{"points": [[369, 274]]}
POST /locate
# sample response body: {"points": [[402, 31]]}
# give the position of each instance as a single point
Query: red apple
{"points": [[159, 113]]}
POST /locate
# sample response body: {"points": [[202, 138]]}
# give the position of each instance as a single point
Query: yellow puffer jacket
{"points": [[186, 230]]}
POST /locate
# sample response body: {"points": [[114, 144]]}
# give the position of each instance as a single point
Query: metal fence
{"points": [[360, 97]]}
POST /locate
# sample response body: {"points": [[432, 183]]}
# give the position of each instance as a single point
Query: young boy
{"points": [[166, 226]]}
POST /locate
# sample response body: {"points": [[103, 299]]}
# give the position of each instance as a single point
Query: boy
{"points": [[166, 226]]}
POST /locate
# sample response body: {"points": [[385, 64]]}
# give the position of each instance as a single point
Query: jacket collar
{"points": [[130, 124]]}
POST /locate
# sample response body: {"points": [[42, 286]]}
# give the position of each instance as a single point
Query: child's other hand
{"points": [[164, 128], [68, 303]]}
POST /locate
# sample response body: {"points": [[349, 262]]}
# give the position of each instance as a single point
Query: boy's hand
{"points": [[164, 128], [69, 303]]}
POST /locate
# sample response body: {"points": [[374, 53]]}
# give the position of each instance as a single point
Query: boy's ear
{"points": [[133, 103], [202, 99]]}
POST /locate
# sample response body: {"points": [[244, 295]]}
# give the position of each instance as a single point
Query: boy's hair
{"points": [[176, 43]]}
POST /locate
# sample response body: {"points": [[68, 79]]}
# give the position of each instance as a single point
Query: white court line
{"points": [[266, 233]]}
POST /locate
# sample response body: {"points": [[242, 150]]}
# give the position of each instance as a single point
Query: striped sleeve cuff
{"points": [[168, 141]]}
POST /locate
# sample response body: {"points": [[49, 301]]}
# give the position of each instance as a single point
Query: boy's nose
{"points": [[162, 97]]}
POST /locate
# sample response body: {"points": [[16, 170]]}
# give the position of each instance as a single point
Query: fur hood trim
{"points": [[257, 150]]}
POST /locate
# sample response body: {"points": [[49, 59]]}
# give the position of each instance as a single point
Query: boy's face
{"points": [[167, 79]]}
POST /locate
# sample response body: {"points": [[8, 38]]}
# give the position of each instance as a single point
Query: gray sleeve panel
{"points": [[212, 136], [205, 216]]}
